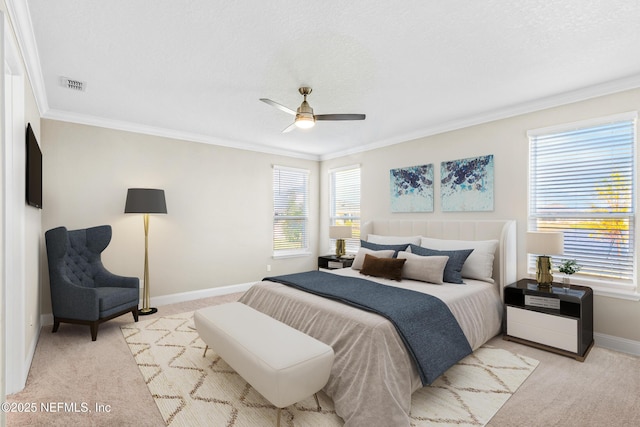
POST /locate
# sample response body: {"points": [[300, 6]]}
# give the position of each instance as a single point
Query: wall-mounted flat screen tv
{"points": [[34, 170]]}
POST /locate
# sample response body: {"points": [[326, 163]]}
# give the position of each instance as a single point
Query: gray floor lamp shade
{"points": [[146, 201]]}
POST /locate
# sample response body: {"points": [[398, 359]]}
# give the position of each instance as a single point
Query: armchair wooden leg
{"points": [[93, 324], [94, 330]]}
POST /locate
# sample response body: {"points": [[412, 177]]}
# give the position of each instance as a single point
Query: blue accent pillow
{"points": [[453, 269], [380, 247]]}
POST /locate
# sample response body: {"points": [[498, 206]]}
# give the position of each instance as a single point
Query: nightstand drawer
{"points": [[554, 331]]}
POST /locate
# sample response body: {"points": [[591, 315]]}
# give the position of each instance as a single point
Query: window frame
{"points": [[304, 250], [353, 243], [602, 285]]}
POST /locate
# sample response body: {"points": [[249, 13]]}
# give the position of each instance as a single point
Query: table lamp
{"points": [[146, 201], [544, 244], [340, 232]]}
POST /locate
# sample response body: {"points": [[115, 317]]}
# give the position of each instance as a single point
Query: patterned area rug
{"points": [[193, 390]]}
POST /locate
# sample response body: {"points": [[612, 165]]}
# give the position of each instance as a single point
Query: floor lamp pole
{"points": [[146, 300], [145, 201]]}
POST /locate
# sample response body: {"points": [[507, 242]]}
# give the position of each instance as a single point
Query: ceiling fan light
{"points": [[305, 122]]}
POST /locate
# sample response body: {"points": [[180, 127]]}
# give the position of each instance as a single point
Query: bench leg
{"points": [[315, 395], [206, 347]]}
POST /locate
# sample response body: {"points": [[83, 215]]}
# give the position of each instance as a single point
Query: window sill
{"points": [[615, 293], [283, 255]]}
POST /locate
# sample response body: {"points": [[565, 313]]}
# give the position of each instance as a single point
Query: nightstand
{"points": [[558, 319], [332, 262]]}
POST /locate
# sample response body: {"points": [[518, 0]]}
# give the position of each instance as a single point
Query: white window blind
{"points": [[345, 202], [290, 210], [581, 183]]}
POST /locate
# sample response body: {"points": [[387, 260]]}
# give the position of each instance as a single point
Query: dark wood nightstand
{"points": [[558, 319], [332, 262]]}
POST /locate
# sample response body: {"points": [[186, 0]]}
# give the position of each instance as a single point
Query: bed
{"points": [[374, 375]]}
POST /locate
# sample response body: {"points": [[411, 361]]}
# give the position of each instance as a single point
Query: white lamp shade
{"points": [[340, 231], [545, 243]]}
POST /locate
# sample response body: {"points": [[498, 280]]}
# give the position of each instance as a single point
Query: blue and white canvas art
{"points": [[412, 189], [467, 184]]}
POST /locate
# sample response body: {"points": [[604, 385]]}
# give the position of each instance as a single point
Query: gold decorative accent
{"points": [[146, 299], [341, 247], [543, 272]]}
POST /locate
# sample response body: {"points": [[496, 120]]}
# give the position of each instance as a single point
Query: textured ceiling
{"points": [[196, 69]]}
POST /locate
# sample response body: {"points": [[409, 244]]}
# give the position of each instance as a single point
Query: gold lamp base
{"points": [[341, 247], [543, 272], [146, 310]]}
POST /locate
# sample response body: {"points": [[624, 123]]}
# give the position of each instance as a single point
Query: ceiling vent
{"points": [[72, 84]]}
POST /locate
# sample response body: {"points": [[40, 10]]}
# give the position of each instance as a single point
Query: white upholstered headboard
{"points": [[504, 231]]}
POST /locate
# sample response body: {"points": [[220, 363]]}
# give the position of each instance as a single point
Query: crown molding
{"points": [[607, 88], [84, 119]]}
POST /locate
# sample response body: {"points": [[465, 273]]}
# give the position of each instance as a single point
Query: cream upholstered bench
{"points": [[283, 364]]}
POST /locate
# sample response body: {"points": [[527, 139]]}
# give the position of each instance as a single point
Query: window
{"points": [[344, 189], [290, 211], [581, 182]]}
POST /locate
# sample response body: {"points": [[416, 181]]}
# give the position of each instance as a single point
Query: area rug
{"points": [[190, 389]]}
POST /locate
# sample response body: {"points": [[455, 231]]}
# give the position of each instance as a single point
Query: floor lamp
{"points": [[146, 201]]}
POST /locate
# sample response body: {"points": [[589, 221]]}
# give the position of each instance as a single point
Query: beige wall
{"points": [[34, 240], [507, 141], [202, 244], [218, 228]]}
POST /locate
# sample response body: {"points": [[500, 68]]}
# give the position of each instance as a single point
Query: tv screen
{"points": [[34, 170]]}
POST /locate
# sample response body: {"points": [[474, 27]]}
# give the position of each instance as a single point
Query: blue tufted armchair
{"points": [[82, 290]]}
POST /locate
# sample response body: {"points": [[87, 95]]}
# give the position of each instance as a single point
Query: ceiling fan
{"points": [[305, 118]]}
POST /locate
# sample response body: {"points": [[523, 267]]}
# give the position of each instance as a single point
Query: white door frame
{"points": [[12, 242]]}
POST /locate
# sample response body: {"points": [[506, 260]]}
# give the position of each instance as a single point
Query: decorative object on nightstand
{"points": [[340, 232], [544, 244], [558, 320], [568, 267], [146, 201]]}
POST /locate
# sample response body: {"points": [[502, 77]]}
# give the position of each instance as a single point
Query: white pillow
{"points": [[424, 268], [393, 240], [359, 259], [479, 265]]}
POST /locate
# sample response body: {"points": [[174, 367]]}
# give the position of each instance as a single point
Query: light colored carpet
{"points": [[193, 390], [69, 367]]}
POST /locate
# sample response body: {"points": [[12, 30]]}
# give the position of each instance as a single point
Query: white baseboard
{"points": [[47, 319], [203, 293], [616, 343]]}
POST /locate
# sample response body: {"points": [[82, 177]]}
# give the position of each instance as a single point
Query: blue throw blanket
{"points": [[431, 334]]}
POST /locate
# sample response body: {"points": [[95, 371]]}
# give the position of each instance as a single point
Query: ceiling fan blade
{"points": [[340, 116], [278, 106], [289, 128]]}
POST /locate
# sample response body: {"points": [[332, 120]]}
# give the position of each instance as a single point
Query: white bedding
{"points": [[476, 305], [373, 376]]}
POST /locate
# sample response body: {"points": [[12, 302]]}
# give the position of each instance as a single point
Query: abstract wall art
{"points": [[467, 184], [412, 189]]}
